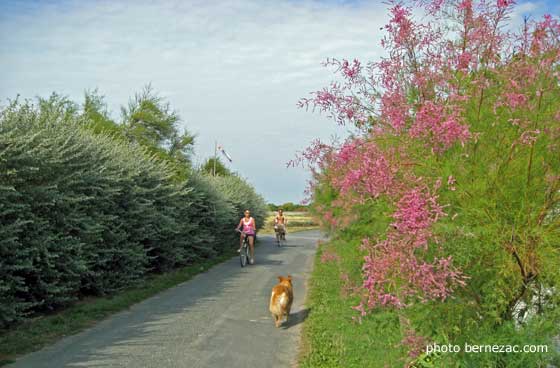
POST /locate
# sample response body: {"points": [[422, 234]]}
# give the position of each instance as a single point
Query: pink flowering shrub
{"points": [[456, 153]]}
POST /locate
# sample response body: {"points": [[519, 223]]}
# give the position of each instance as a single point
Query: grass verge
{"points": [[332, 335], [36, 333]]}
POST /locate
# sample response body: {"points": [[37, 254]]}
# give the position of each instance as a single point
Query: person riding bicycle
{"points": [[280, 223], [249, 231]]}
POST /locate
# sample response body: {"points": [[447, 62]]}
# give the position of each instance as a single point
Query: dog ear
{"points": [[280, 278], [289, 277]]}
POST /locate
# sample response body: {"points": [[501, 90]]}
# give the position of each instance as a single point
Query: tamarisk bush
{"points": [[457, 151]]}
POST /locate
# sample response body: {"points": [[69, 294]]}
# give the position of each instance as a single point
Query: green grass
{"points": [[331, 335], [32, 335]]}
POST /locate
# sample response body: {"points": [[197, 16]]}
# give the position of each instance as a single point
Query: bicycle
{"points": [[280, 236], [244, 254]]}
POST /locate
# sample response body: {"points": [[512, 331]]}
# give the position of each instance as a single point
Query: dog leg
{"points": [[276, 320]]}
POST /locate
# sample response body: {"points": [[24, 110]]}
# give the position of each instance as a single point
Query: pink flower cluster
{"points": [[416, 211], [394, 109], [352, 72], [438, 127], [529, 137], [400, 26], [314, 155], [396, 260], [504, 3], [340, 101], [362, 170]]}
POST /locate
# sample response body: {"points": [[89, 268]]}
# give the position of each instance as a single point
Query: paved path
{"points": [[217, 319]]}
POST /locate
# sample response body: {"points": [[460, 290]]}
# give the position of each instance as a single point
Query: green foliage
{"points": [[84, 212], [97, 117], [241, 196], [181, 147], [149, 121], [502, 231], [220, 169], [333, 336], [287, 207]]}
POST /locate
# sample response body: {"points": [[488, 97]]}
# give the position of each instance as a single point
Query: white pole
{"points": [[215, 156]]}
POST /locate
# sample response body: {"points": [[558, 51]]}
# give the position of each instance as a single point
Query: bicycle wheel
{"points": [[248, 254], [243, 255], [278, 237]]}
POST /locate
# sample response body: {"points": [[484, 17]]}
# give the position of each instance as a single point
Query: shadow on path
{"points": [[296, 318]]}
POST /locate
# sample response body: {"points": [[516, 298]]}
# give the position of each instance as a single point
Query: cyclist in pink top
{"points": [[249, 230]]}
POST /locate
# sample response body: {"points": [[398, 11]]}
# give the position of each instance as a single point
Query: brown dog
{"points": [[281, 300]]}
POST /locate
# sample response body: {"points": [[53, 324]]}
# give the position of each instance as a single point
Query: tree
{"points": [[181, 147], [96, 113], [150, 121], [220, 168]]}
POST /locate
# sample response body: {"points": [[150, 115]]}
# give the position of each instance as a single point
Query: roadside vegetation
{"points": [[288, 207], [90, 206], [42, 330], [448, 193], [333, 335]]}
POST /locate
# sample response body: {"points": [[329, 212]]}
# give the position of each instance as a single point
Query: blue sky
{"points": [[234, 70]]}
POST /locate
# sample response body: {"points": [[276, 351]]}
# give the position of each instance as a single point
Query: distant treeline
{"points": [[288, 206], [89, 205]]}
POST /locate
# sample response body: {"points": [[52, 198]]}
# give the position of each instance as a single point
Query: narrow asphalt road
{"points": [[219, 318]]}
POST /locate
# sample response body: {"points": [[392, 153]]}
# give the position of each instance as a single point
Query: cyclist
{"points": [[280, 223], [249, 230]]}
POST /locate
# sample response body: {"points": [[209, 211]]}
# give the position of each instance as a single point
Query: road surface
{"points": [[219, 318]]}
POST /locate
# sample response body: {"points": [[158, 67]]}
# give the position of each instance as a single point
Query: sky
{"points": [[233, 70]]}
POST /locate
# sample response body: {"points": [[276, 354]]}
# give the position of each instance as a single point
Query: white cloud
{"points": [[233, 69], [534, 9]]}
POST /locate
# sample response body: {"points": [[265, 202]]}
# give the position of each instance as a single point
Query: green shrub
{"points": [[85, 213], [241, 196]]}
